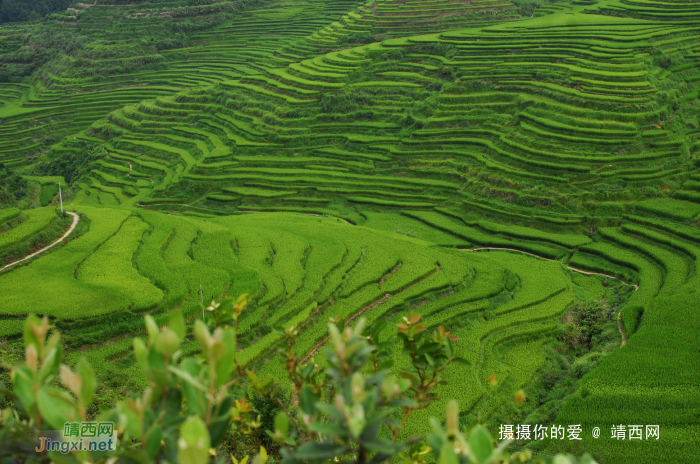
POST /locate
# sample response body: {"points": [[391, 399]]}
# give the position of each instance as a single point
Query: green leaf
{"points": [[409, 376], [407, 403], [435, 440], [52, 342], [160, 378], [452, 417], [29, 337], [225, 363], [262, 457], [447, 455], [167, 342], [23, 385], [132, 422], [191, 388], [382, 446], [177, 324], [154, 436], [141, 353], [152, 328], [251, 375], [173, 405], [236, 461], [49, 368], [328, 428], [194, 442], [278, 329], [386, 365], [480, 444], [282, 423], [266, 385], [377, 328], [58, 458], [57, 407], [461, 361], [87, 389], [307, 400], [385, 345], [336, 339], [330, 411], [219, 424], [587, 459], [308, 370], [187, 376], [155, 359], [201, 333], [325, 450], [156, 371], [372, 429], [429, 347]]}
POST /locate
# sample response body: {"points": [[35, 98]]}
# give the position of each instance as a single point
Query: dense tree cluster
{"points": [[12, 186], [29, 10], [71, 165]]}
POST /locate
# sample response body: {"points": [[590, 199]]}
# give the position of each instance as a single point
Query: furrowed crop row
{"points": [[37, 220]]}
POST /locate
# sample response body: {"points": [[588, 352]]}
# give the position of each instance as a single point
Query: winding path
{"points": [[636, 287], [622, 329], [76, 218]]}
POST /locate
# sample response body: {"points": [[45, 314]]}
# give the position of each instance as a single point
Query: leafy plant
{"points": [[347, 410], [582, 323]]}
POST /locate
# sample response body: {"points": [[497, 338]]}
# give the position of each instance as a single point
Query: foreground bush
{"points": [[351, 410]]}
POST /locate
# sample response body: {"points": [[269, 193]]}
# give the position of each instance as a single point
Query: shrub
{"points": [[357, 39], [583, 323], [12, 186], [72, 165], [527, 7], [447, 73], [187, 406], [343, 102]]}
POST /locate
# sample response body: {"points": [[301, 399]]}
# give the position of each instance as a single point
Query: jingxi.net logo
{"points": [[79, 436]]}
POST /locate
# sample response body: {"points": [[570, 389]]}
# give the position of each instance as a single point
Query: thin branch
{"points": [[286, 411], [398, 429]]}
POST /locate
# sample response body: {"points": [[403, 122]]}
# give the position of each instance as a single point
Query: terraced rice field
{"points": [[445, 157]]}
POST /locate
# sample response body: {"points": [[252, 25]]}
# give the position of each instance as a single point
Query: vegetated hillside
{"points": [[82, 65], [571, 136], [549, 113], [107, 55], [24, 10]]}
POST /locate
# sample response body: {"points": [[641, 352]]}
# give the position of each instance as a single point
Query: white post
{"points": [[201, 297], [60, 197]]}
